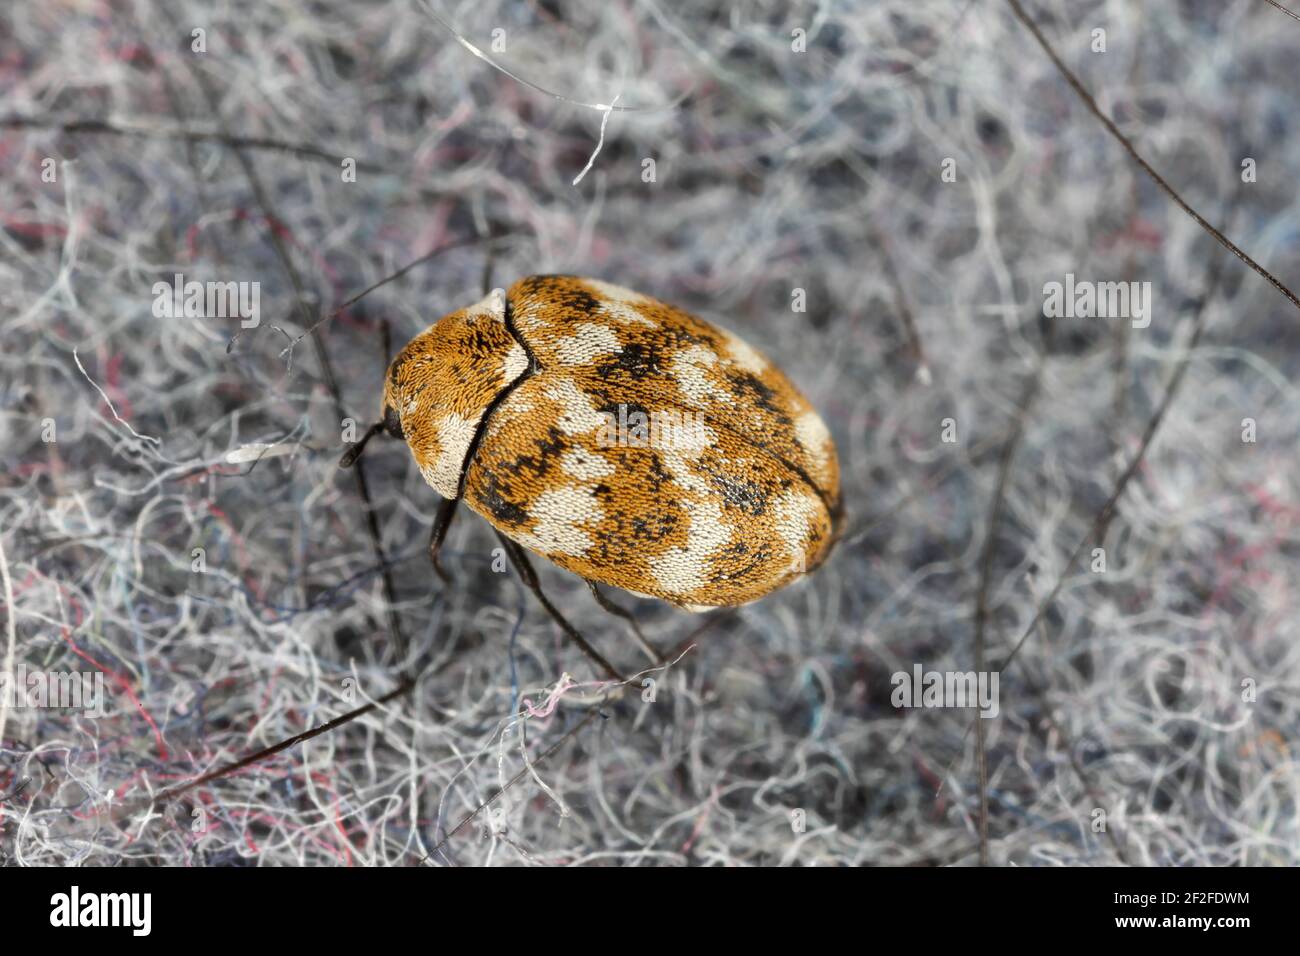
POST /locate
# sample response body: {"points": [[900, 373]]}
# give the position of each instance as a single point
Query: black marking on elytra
{"points": [[533, 369], [563, 292], [576, 303], [753, 569], [649, 529], [635, 360], [657, 474], [834, 509], [629, 534], [549, 450], [748, 386], [608, 406], [749, 496], [494, 499], [669, 333], [745, 495]]}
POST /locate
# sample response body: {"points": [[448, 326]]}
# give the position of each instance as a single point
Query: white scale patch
{"points": [[690, 368], [511, 410], [812, 434], [454, 436], [682, 570], [530, 319], [583, 464], [587, 341], [620, 304], [515, 364], [795, 516], [625, 313], [577, 415], [559, 514], [676, 462], [740, 352]]}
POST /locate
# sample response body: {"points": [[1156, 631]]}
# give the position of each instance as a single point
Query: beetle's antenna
{"points": [[352, 454]]}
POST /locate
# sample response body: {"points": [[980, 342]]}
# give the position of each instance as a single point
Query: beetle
{"points": [[619, 437]]}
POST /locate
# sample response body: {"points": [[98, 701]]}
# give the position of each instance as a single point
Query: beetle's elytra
{"points": [[621, 438]]}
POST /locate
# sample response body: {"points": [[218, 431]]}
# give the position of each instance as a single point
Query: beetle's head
{"points": [[439, 387]]}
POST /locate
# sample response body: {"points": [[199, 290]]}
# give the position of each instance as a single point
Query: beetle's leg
{"points": [[651, 651], [446, 511], [352, 454], [526, 573]]}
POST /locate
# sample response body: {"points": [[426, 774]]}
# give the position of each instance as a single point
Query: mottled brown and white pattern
{"points": [[524, 402]]}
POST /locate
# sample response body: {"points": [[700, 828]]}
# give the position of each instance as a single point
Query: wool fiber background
{"points": [[1158, 695]]}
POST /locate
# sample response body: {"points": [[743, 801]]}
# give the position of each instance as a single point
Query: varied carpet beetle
{"points": [[621, 438]]}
